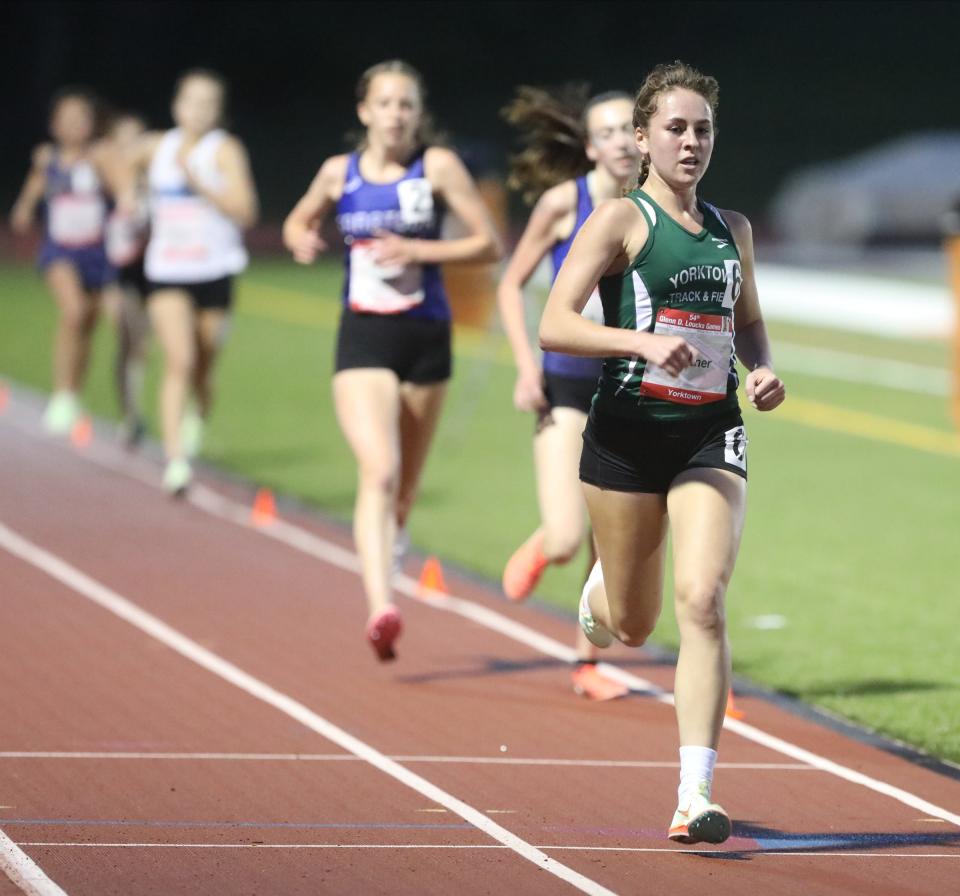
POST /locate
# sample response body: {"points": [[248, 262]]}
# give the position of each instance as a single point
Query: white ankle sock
{"points": [[696, 768]]}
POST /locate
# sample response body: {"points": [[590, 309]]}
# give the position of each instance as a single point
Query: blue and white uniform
{"points": [[395, 317], [74, 221], [571, 380], [405, 207]]}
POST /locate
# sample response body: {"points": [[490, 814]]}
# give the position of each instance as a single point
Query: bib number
{"points": [[711, 336], [380, 289], [182, 230], [416, 201], [76, 219]]}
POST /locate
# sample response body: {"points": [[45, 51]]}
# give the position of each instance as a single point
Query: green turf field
{"points": [[854, 518]]}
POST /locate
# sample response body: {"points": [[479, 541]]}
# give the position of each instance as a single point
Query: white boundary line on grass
{"points": [[109, 600], [322, 549]]}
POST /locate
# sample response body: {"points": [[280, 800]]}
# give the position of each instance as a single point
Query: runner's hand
{"points": [[390, 250], [528, 392], [306, 247], [765, 390], [672, 353]]}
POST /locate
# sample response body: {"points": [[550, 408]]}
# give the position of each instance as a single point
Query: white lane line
{"points": [[315, 546], [23, 872], [155, 628], [347, 757], [812, 854], [869, 370], [318, 547]]}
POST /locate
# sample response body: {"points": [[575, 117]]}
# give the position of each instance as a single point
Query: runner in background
{"points": [[202, 197], [126, 240], [579, 151], [72, 178], [393, 347], [665, 442]]}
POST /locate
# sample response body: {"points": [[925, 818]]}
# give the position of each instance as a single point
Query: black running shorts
{"points": [[212, 294], [646, 456], [416, 350], [569, 391]]}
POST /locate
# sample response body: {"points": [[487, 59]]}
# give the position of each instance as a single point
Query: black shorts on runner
{"points": [[646, 456], [417, 351], [213, 294], [133, 276], [569, 391]]}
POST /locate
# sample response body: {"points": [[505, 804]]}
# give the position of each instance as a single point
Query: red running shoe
{"points": [[524, 568], [590, 682], [382, 630]]}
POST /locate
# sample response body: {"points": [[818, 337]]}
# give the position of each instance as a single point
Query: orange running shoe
{"points": [[590, 682], [524, 568], [382, 630]]}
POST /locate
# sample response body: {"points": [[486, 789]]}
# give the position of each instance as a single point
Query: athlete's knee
{"points": [[700, 604], [380, 477], [74, 316], [179, 365], [632, 628]]}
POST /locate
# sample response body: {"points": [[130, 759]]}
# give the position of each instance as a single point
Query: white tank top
{"points": [[191, 240]]}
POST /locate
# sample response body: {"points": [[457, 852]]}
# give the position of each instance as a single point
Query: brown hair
{"points": [[553, 125], [206, 74], [427, 132], [87, 96], [664, 77]]}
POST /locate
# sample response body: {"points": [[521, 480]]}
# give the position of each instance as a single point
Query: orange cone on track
{"points": [[264, 511], [4, 397], [431, 577], [733, 711], [82, 433]]}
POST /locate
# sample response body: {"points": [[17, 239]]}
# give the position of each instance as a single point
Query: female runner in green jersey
{"points": [[664, 441]]}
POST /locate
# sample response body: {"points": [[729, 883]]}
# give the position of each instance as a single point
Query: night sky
{"points": [[800, 82]]}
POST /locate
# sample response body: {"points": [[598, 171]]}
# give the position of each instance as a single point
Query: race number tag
{"points": [[382, 289], [416, 201], [181, 228], [76, 219], [711, 336]]}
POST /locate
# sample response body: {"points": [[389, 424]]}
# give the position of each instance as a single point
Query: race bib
{"points": [[76, 219], [416, 201], [711, 336], [181, 230], [382, 289]]}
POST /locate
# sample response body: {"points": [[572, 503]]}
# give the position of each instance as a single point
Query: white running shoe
{"points": [[595, 632], [62, 412], [177, 477], [697, 820]]}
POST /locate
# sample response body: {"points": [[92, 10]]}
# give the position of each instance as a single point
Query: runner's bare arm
{"points": [[453, 184], [612, 235], [117, 175], [538, 237], [764, 389], [300, 229], [21, 215]]}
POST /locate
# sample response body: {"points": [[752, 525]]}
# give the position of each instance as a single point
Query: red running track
{"points": [[190, 708]]}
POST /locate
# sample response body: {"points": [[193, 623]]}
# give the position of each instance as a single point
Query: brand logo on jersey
{"points": [[721, 244], [352, 185]]}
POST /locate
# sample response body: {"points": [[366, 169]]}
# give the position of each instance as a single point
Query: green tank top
{"points": [[680, 284]]}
